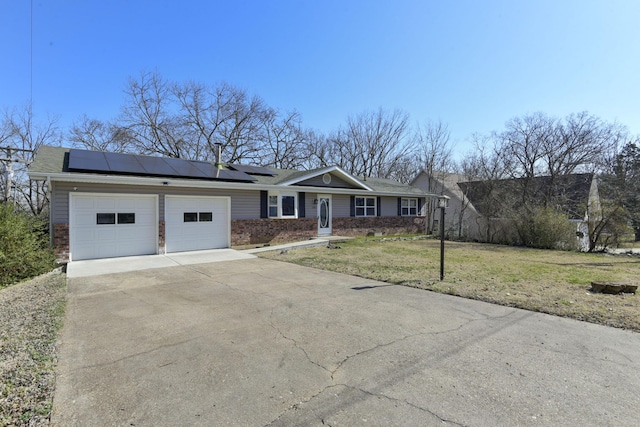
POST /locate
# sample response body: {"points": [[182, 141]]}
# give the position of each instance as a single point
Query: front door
{"points": [[324, 215]]}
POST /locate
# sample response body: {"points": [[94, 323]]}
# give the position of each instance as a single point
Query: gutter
{"points": [[181, 183]]}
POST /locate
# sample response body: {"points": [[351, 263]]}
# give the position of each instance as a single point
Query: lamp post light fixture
{"points": [[443, 203]]}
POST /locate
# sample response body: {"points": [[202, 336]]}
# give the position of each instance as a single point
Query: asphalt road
{"points": [[261, 343]]}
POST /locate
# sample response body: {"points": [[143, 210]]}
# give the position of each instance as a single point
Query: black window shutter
{"points": [[378, 206], [399, 206], [301, 212], [264, 208], [353, 205], [419, 206]]}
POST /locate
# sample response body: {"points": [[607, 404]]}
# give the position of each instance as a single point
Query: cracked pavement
{"points": [[263, 343]]}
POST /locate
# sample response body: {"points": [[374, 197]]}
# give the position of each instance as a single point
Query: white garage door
{"points": [[196, 223], [110, 225]]}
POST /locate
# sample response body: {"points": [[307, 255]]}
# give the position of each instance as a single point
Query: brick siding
{"points": [[275, 231], [361, 226], [61, 241], [254, 231], [161, 237]]}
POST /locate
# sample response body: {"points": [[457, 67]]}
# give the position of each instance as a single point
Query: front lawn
{"points": [[554, 282]]}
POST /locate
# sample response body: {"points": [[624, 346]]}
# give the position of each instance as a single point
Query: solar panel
{"points": [[253, 170], [227, 175], [88, 160], [187, 169], [124, 163], [156, 166], [97, 161]]}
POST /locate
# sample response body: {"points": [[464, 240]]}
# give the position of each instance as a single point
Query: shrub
{"points": [[547, 228], [24, 246]]}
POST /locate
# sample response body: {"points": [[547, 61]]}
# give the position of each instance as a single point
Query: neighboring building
{"points": [[575, 195], [461, 218], [107, 205], [478, 208]]}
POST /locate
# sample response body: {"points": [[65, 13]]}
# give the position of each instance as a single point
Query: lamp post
{"points": [[443, 202]]}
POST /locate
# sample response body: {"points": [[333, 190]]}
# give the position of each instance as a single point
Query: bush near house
{"points": [[546, 228], [24, 246]]}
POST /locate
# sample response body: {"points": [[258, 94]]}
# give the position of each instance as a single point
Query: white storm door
{"points": [[324, 215], [196, 223]]}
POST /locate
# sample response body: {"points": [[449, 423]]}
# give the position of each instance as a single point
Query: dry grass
{"points": [[552, 282]]}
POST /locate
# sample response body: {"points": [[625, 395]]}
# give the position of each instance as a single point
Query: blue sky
{"points": [[471, 64]]}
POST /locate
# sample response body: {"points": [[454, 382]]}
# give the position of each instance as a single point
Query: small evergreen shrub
{"points": [[24, 246]]}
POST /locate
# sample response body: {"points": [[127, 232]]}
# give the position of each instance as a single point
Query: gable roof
{"points": [[492, 198], [53, 163]]}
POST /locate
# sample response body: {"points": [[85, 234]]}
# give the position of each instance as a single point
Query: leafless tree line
{"points": [[538, 145], [189, 119]]}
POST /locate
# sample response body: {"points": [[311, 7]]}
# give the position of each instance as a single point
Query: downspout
{"points": [[50, 194]]}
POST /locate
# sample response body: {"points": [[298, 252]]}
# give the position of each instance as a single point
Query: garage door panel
{"points": [[200, 234], [92, 240], [105, 203]]}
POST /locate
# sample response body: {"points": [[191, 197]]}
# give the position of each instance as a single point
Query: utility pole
{"points": [[8, 161]]}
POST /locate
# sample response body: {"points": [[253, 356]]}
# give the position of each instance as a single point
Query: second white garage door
{"points": [[196, 223]]}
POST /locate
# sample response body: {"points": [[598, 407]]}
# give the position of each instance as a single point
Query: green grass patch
{"points": [[555, 282]]}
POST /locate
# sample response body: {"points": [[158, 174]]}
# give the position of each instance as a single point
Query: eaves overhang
{"points": [[186, 183], [340, 172]]}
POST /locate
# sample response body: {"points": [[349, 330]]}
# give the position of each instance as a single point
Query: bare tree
{"points": [[150, 117], [580, 143], [434, 155], [21, 133], [285, 140], [222, 114], [93, 134], [317, 151], [524, 142], [373, 143]]}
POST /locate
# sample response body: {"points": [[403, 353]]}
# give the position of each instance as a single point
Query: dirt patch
{"points": [[31, 315]]}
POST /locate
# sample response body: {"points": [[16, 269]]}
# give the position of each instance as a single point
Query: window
{"points": [[126, 218], [110, 218], [273, 206], [288, 206], [190, 217], [105, 218], [283, 205], [198, 217], [409, 207], [365, 206]]}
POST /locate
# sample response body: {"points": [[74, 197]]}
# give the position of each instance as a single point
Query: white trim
{"points": [[365, 206], [402, 199], [344, 175], [279, 194], [330, 213], [184, 183], [73, 194]]}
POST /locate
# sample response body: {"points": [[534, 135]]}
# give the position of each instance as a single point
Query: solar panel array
{"points": [[253, 170], [131, 164]]}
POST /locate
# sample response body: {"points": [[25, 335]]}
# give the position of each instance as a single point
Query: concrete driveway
{"points": [[262, 343]]}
